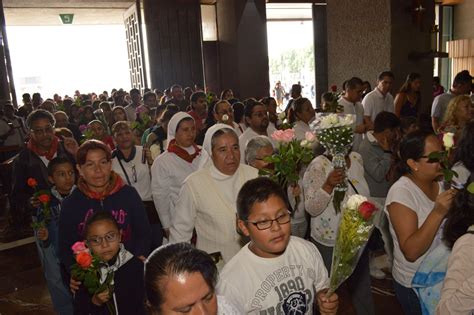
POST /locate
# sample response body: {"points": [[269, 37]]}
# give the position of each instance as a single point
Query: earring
{"points": [[416, 170]]}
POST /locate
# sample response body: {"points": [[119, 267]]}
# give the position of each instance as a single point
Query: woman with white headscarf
{"points": [[169, 170], [207, 200]]}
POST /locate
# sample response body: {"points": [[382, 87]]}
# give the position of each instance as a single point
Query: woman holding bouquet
{"points": [[301, 115], [319, 182], [416, 206]]}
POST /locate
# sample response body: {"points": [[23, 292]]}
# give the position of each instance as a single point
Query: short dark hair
{"points": [[353, 82], [197, 95], [174, 86], [384, 74], [92, 144], [257, 190], [134, 91], [465, 147], [39, 114], [406, 122], [100, 215], [148, 95], [462, 77], [239, 110], [174, 259], [386, 120], [296, 88], [460, 216], [297, 106], [54, 163], [249, 106]]}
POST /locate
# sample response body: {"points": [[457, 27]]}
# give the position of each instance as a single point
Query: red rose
{"points": [[84, 259], [44, 198], [367, 209], [334, 88], [32, 182]]}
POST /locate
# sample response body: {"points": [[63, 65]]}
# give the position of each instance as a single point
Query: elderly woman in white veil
{"points": [[169, 170], [207, 200]]}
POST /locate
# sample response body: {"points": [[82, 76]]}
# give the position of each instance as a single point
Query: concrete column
{"points": [[243, 48], [366, 37], [320, 50]]}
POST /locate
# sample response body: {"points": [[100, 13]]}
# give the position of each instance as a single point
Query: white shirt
{"points": [[248, 134], [463, 173], [357, 110], [405, 192], [286, 284], [207, 202], [168, 173], [138, 173], [319, 204], [300, 130], [237, 128], [374, 103]]}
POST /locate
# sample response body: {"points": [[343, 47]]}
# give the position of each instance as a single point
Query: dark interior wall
{"points": [[410, 43], [243, 49], [320, 50], [174, 42]]}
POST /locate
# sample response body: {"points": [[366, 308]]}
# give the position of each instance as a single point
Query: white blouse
{"points": [[168, 174], [318, 203]]}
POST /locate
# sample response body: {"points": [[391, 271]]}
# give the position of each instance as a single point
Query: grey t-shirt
{"points": [[440, 104]]}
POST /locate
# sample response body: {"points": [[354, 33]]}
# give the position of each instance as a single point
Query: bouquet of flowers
{"points": [[335, 134], [353, 233], [291, 156], [443, 157], [86, 132], [332, 106], [87, 270], [44, 196]]}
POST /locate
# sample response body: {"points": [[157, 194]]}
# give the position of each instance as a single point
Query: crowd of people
{"points": [[166, 184]]}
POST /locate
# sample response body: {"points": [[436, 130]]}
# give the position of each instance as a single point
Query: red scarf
{"points": [[182, 153], [52, 150], [115, 184]]}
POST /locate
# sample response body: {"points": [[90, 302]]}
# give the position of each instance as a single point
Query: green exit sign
{"points": [[66, 18]]}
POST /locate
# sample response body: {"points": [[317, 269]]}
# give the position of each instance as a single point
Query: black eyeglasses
{"points": [[98, 240], [266, 224]]}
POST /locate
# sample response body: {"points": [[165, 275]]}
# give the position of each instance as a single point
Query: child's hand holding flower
{"points": [[328, 305]]}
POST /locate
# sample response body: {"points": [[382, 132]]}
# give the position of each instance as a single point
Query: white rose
{"points": [[225, 117], [347, 120], [448, 140], [333, 119], [354, 201]]}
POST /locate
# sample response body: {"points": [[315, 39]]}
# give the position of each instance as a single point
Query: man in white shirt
{"points": [[461, 85], [131, 110], [224, 114], [257, 121], [351, 103], [379, 99]]}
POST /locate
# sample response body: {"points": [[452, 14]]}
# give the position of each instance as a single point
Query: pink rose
{"points": [[277, 135], [309, 136], [78, 247]]}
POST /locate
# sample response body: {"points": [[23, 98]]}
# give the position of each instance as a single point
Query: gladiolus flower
{"points": [[84, 259], [32, 182]]}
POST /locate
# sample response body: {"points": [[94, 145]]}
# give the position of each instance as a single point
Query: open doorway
{"points": [[291, 48]]}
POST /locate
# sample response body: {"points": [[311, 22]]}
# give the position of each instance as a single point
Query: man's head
{"points": [[385, 81], [135, 96], [263, 215], [256, 116], [62, 120], [36, 100], [223, 113], [177, 92], [150, 100], [41, 125], [199, 102], [462, 83], [387, 125], [9, 111], [295, 91], [26, 98], [354, 89]]}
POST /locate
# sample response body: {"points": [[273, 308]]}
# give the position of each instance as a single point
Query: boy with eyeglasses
{"points": [[275, 273]]}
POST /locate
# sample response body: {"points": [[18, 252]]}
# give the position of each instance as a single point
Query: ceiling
{"points": [[46, 12]]}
